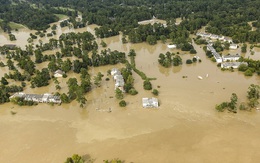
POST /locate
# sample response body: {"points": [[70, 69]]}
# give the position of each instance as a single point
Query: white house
{"points": [[230, 58], [221, 38], [115, 71], [150, 102], [119, 79], [228, 40], [172, 46], [214, 53], [45, 98], [214, 37], [233, 46], [58, 73]]}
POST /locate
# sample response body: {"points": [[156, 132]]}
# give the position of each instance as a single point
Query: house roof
{"points": [[59, 72], [150, 102], [237, 56], [232, 64]]}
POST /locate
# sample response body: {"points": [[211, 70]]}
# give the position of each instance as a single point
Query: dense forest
{"points": [[226, 17]]}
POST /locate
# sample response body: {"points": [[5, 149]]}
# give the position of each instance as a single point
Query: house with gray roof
{"points": [[234, 65]]}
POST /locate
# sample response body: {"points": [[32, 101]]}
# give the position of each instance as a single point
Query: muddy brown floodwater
{"points": [[186, 127]]}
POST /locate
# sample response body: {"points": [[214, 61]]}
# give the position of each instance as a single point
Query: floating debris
{"points": [[13, 112]]}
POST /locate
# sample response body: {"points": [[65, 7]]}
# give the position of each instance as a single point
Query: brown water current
{"points": [[185, 128]]}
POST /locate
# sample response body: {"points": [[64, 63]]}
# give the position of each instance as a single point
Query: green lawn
{"points": [[14, 25], [64, 8], [60, 16]]}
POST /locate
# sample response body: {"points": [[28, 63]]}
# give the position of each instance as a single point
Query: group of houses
{"points": [[41, 98], [118, 78], [218, 37], [119, 83], [227, 61], [213, 36], [214, 53]]}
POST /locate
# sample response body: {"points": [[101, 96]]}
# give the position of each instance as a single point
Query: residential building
{"points": [[115, 71], [150, 102], [232, 64], [119, 80], [214, 53], [58, 73], [233, 46], [42, 98], [231, 58], [172, 46]]}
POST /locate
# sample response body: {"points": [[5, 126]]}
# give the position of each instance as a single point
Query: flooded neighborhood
{"points": [[184, 127]]}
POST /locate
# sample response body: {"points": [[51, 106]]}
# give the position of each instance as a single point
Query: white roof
{"points": [[150, 102]]}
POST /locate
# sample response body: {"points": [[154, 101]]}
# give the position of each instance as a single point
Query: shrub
{"points": [[188, 61], [122, 103], [155, 92], [132, 91], [193, 51], [49, 34], [242, 67], [248, 72], [147, 85]]}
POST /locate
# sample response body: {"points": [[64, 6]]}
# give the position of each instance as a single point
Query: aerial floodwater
{"points": [[185, 128]]}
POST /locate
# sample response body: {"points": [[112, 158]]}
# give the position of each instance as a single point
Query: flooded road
{"points": [[185, 128]]}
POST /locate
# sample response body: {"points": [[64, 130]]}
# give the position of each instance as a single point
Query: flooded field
{"points": [[185, 128]]}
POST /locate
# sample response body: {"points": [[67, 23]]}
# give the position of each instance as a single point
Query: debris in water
{"points": [[13, 112]]}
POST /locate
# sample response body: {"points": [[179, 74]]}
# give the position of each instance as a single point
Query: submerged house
{"points": [[115, 71], [214, 53], [233, 46], [232, 64], [41, 98], [118, 78], [204, 35], [231, 57], [214, 37], [150, 102]]}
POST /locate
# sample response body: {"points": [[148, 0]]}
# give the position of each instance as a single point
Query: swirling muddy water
{"points": [[185, 128]]}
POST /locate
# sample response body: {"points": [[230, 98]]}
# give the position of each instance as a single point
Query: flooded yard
{"points": [[185, 128]]}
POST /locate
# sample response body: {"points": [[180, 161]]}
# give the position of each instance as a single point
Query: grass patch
{"points": [[14, 25], [64, 8], [61, 16]]}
